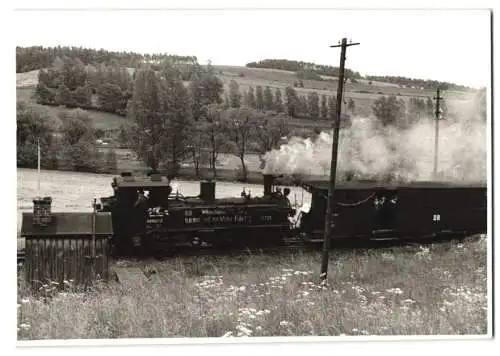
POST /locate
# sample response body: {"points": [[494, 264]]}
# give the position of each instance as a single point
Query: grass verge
{"points": [[435, 290]]}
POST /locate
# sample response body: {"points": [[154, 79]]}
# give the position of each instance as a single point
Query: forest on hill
{"points": [[315, 71]]}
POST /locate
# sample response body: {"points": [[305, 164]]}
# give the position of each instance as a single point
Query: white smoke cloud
{"points": [[368, 151]]}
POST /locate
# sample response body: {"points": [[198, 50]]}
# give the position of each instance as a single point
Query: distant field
{"points": [[126, 160]]}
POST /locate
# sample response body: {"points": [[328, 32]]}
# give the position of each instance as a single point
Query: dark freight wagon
{"points": [[412, 210]]}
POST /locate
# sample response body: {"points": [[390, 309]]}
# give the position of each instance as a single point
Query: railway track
{"points": [[290, 245]]}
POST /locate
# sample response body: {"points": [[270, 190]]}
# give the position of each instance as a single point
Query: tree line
{"points": [[266, 99], [312, 71], [109, 87], [38, 57], [418, 83], [302, 67]]}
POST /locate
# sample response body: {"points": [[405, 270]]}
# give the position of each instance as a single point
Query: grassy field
{"points": [[435, 290]]}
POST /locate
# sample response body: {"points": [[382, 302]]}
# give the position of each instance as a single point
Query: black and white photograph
{"points": [[242, 174]]}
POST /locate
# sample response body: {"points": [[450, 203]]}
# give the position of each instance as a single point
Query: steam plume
{"points": [[370, 151]]}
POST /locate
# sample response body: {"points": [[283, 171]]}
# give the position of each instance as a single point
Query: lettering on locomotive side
{"points": [[191, 220], [212, 212], [227, 219]]}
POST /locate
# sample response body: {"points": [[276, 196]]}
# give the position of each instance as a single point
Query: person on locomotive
{"points": [[141, 207]]}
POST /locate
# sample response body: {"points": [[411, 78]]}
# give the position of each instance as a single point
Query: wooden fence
{"points": [[65, 258], [72, 247]]}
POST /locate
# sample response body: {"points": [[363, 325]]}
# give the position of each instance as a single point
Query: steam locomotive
{"points": [[146, 216]]}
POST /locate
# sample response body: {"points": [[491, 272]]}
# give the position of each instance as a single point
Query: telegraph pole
{"points": [[436, 134], [329, 218]]}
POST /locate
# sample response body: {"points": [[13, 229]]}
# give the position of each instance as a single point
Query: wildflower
{"points": [[394, 291], [243, 331], [242, 288], [284, 323], [408, 301], [24, 326], [387, 256]]}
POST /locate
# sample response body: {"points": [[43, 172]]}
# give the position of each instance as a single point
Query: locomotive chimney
{"points": [[42, 215], [207, 190], [268, 183]]}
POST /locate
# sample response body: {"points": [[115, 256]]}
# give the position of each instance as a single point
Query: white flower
{"points": [[394, 291], [24, 326], [242, 288]]}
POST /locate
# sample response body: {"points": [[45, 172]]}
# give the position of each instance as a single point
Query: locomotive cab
{"points": [[134, 201]]}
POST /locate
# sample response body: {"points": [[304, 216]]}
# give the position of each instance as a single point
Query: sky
{"points": [[446, 45]]}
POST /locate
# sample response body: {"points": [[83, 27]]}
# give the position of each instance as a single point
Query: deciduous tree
{"points": [[389, 110], [234, 94], [268, 99]]}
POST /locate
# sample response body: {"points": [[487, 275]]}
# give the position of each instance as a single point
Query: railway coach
{"points": [[418, 210]]}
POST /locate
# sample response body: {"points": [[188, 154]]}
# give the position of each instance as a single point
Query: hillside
{"points": [[363, 93]]}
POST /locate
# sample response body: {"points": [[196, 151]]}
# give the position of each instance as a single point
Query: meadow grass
{"points": [[440, 289]]}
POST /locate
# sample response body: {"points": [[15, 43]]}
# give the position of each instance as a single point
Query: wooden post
{"points": [[38, 166], [93, 238], [329, 219], [436, 134]]}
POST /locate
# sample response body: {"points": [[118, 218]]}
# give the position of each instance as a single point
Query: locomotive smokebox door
{"points": [[207, 190]]}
